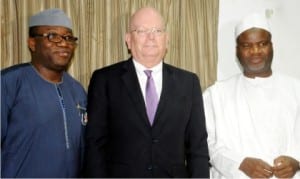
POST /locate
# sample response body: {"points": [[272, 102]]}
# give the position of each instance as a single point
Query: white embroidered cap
{"points": [[257, 20]]}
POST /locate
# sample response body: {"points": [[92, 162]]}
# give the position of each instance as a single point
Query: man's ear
{"points": [[128, 40], [31, 44]]}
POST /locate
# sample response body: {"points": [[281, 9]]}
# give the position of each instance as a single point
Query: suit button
{"points": [[155, 140], [150, 167]]}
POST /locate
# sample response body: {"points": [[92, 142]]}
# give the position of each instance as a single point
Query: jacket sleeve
{"points": [[197, 149], [96, 130]]}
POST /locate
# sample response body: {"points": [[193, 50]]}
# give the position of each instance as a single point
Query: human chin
{"points": [[62, 61], [257, 68], [150, 53]]}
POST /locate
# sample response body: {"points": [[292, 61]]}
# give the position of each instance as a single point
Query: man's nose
{"points": [[151, 34], [255, 49]]}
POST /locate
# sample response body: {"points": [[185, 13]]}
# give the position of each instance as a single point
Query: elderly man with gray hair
{"points": [[42, 106], [253, 118]]}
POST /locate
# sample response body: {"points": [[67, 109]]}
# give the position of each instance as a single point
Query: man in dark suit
{"points": [[146, 118]]}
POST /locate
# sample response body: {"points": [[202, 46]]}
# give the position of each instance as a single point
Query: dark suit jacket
{"points": [[120, 142]]}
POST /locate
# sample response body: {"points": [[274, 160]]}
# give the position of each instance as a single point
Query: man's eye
{"points": [[141, 31], [245, 45], [68, 37], [263, 44], [53, 36]]}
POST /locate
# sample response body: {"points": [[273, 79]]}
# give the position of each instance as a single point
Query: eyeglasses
{"points": [[144, 32], [56, 38]]}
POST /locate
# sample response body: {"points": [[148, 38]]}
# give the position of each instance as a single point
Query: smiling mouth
{"points": [[63, 53], [256, 60]]}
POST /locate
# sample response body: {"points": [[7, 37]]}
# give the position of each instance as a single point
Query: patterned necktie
{"points": [[151, 97]]}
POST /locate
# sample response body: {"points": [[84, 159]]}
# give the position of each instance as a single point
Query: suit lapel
{"points": [[131, 82], [168, 85], [132, 85]]}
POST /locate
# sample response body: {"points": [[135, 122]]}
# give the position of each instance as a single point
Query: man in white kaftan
{"points": [[253, 119]]}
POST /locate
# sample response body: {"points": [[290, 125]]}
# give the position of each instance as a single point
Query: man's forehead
{"points": [[146, 17]]}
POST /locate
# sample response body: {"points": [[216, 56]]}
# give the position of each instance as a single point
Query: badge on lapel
{"points": [[83, 114]]}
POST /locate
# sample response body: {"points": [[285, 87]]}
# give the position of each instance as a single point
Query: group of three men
{"points": [[145, 117]]}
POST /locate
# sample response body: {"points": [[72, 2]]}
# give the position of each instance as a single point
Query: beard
{"points": [[260, 69]]}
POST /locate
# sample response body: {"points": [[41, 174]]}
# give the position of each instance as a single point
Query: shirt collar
{"points": [[141, 68]]}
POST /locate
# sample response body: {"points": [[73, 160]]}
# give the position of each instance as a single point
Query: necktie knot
{"points": [[148, 73]]}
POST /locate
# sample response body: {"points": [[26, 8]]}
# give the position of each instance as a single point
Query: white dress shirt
{"points": [[142, 77]]}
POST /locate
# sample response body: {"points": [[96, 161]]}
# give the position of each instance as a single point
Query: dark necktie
{"points": [[151, 97]]}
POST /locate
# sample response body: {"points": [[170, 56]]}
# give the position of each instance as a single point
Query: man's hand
{"points": [[285, 167], [256, 168]]}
